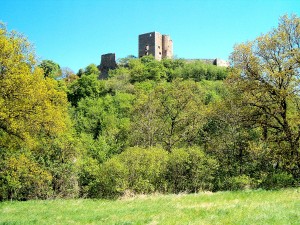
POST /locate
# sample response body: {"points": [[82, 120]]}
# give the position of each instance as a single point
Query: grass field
{"points": [[242, 207]]}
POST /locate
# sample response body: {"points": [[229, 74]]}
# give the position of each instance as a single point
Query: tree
{"points": [[80, 72], [170, 115], [28, 102], [171, 66], [146, 124], [33, 119], [91, 69], [137, 170], [106, 120], [21, 178], [85, 86], [123, 62], [181, 110], [199, 70], [137, 70], [50, 68], [190, 170], [146, 68], [68, 75], [265, 80]]}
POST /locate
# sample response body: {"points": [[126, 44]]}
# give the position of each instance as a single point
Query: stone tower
{"points": [[108, 62], [153, 43]]}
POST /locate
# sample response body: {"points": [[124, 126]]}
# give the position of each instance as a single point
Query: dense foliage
{"points": [[165, 126], [36, 144], [50, 68]]}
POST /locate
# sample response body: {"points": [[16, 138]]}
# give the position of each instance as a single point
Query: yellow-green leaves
{"points": [[266, 83], [29, 103], [33, 120]]}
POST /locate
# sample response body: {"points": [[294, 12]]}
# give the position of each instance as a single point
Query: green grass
{"points": [[242, 207]]}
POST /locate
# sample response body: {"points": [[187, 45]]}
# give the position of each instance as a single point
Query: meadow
{"points": [[239, 207]]}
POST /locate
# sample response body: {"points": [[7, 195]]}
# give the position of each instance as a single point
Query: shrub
{"points": [[190, 170], [278, 180], [21, 178], [241, 182], [137, 170]]}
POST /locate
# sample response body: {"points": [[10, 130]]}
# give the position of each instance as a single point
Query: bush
{"points": [[88, 177], [201, 71], [241, 182], [112, 180], [21, 178], [137, 170], [278, 180], [142, 171], [190, 170]]}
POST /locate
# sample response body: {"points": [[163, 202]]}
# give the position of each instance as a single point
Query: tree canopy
{"points": [[266, 82], [50, 69], [33, 112]]}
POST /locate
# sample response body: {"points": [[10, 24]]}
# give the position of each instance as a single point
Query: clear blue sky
{"points": [[74, 33]]}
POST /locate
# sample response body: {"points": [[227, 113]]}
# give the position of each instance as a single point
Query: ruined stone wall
{"points": [[147, 44], [158, 46], [153, 43], [221, 62], [108, 62], [167, 47]]}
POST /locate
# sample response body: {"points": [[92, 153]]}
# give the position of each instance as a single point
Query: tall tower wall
{"points": [[167, 47], [108, 62], [153, 44], [147, 44], [158, 46]]}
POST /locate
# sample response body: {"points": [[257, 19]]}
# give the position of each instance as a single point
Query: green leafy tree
{"points": [[181, 105], [85, 86], [136, 170], [137, 71], [123, 62], [29, 104], [50, 68], [234, 145], [145, 121], [170, 115], [146, 68], [33, 110], [22, 178], [199, 71], [265, 79], [119, 81], [103, 125], [68, 75], [80, 72], [173, 65], [91, 69], [191, 170]]}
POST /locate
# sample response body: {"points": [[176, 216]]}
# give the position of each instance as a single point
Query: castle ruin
{"points": [[156, 44], [153, 43], [221, 62], [108, 62]]}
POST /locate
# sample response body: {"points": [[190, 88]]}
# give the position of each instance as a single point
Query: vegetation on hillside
{"points": [[153, 126]]}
